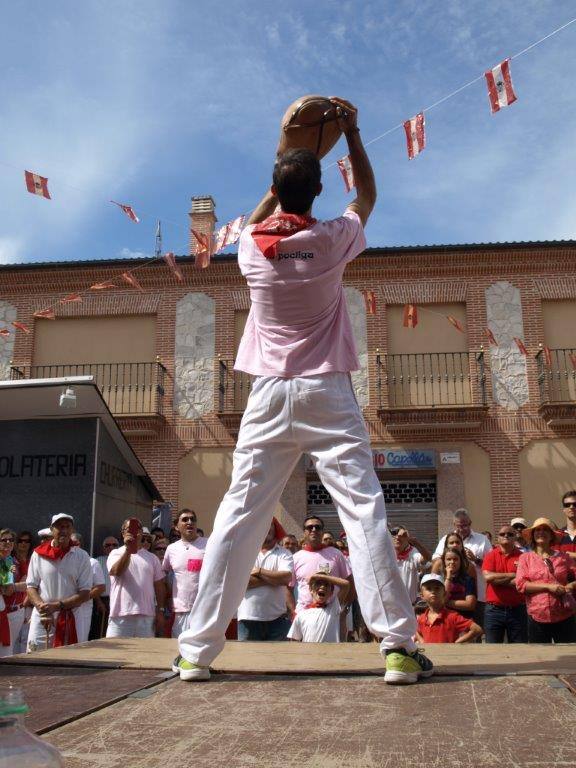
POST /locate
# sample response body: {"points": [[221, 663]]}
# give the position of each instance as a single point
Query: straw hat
{"points": [[540, 521]]}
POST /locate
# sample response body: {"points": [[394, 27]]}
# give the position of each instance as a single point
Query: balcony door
{"points": [[120, 352]]}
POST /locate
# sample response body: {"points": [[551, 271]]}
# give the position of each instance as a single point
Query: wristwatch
{"points": [[61, 605]]}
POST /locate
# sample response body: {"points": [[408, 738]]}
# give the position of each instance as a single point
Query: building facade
{"points": [[454, 420]]}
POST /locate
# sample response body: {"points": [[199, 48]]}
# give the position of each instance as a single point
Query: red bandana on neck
{"points": [[317, 605], [50, 552], [275, 228], [310, 548], [404, 555]]}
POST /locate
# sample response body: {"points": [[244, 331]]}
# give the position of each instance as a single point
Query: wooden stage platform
{"points": [[115, 704]]}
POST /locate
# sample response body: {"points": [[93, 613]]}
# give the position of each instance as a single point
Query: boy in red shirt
{"points": [[438, 624]]}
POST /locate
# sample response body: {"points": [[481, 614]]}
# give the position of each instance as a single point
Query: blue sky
{"points": [[150, 103]]}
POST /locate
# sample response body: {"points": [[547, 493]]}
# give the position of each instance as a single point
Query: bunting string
{"points": [[501, 93]]}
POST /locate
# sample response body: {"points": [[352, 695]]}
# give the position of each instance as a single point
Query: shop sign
{"points": [[450, 458], [404, 459], [396, 459]]}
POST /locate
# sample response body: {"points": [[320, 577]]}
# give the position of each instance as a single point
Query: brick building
{"points": [[453, 421]]}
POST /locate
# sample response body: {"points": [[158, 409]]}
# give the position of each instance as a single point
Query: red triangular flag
{"points": [[70, 298], [491, 338], [128, 210], [21, 327], [410, 315], [204, 251], [370, 301], [4, 333], [455, 323], [131, 280], [45, 314], [103, 286], [345, 167], [37, 185], [170, 259], [547, 356], [521, 346]]}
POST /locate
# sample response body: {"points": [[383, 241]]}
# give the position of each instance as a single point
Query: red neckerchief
{"points": [[4, 628], [316, 605], [405, 554], [65, 632], [310, 548], [275, 228], [50, 552]]}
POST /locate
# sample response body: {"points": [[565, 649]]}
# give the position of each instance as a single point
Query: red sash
{"points": [[4, 628], [65, 630], [275, 228]]}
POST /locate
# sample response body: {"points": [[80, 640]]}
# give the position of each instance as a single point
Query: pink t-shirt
{"points": [[329, 560], [184, 558], [132, 593], [298, 323]]}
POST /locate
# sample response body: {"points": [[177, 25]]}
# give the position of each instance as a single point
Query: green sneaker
{"points": [[403, 668], [190, 671]]}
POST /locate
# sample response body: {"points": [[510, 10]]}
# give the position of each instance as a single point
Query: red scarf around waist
{"points": [[4, 628], [50, 552], [275, 228], [65, 630]]}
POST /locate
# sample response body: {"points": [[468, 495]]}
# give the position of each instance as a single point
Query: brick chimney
{"points": [[202, 218]]}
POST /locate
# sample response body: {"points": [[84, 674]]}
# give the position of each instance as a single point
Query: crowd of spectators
{"points": [[521, 588]]}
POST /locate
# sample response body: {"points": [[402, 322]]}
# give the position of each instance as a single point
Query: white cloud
{"points": [[126, 253], [10, 250]]}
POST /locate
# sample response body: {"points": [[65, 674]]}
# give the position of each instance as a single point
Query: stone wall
{"points": [[194, 356], [357, 312], [509, 374], [7, 316]]}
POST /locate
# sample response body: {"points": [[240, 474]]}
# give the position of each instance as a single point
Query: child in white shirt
{"points": [[319, 622]]}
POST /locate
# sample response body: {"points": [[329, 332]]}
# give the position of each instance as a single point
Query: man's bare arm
{"points": [[361, 167], [265, 208]]}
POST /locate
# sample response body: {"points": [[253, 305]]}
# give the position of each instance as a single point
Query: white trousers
{"points": [[284, 418], [15, 620], [131, 626], [180, 623]]}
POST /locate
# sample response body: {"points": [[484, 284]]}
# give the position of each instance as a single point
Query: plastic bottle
{"points": [[18, 747]]}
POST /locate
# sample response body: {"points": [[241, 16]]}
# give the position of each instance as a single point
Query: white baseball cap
{"points": [[61, 516], [44, 532], [518, 521], [432, 577]]}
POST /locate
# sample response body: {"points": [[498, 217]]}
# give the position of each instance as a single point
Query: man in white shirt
{"points": [[262, 612], [476, 546], [183, 560], [59, 580]]}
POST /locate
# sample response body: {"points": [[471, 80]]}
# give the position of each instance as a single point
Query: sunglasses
{"points": [[111, 544], [569, 504], [24, 541], [313, 527], [159, 549], [508, 535], [7, 541], [187, 520]]}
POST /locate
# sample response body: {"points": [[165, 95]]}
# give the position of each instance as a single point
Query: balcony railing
{"points": [[129, 389], [557, 376], [431, 380], [233, 387]]}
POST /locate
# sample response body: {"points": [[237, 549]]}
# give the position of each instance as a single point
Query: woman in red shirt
{"points": [[544, 575]]}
